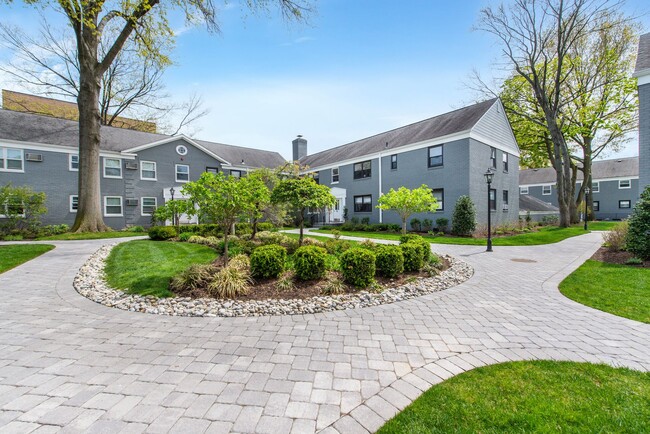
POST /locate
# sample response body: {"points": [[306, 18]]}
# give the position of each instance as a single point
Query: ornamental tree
{"points": [[223, 199], [302, 193], [406, 202], [146, 22]]}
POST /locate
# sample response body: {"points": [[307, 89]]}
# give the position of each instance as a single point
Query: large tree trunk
{"points": [[89, 214], [561, 164], [301, 221]]}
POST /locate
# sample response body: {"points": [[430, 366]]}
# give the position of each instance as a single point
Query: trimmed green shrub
{"points": [[161, 233], [336, 247], [427, 225], [185, 236], [638, 233], [463, 222], [136, 229], [413, 256], [412, 238], [309, 262], [442, 223], [268, 261], [358, 267], [365, 221], [416, 224], [390, 261]]}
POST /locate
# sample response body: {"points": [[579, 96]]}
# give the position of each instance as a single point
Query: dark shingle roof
{"points": [[533, 204], [643, 57], [602, 169], [449, 123], [25, 127]]}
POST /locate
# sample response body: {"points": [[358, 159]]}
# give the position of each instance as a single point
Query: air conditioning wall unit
{"points": [[505, 207], [34, 157], [132, 202], [131, 165]]}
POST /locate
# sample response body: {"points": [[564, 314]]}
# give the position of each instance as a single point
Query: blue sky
{"points": [[359, 67]]}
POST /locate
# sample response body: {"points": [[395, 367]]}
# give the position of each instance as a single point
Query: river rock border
{"points": [[90, 283]]}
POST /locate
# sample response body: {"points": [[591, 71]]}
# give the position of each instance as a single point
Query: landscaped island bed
{"points": [[142, 270], [537, 396], [13, 255]]}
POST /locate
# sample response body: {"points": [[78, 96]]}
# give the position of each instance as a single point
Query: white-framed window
{"points": [[523, 190], [625, 204], [182, 173], [147, 205], [113, 206], [74, 203], [595, 187], [12, 160], [493, 157], [148, 171], [505, 200], [547, 189], [73, 162], [235, 173], [393, 162], [504, 158], [112, 168], [624, 183], [335, 175], [435, 156], [596, 206], [12, 208]]}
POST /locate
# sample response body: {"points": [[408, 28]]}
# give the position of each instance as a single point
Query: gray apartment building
{"points": [[449, 153], [138, 170], [642, 73], [615, 186]]}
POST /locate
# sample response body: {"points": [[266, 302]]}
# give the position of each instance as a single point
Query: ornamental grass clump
{"points": [[615, 238], [285, 281], [309, 262], [390, 261], [230, 282], [333, 284], [195, 277], [268, 261], [358, 267], [241, 262]]}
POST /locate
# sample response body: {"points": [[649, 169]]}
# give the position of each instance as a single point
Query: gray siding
{"points": [[508, 181], [608, 198], [494, 126], [644, 137]]}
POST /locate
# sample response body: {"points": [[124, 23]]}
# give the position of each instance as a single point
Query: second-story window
{"points": [[335, 175], [11, 160], [393, 161], [112, 168], [362, 170], [73, 162], [546, 190], [182, 173], [435, 156], [493, 157], [148, 170], [505, 161]]}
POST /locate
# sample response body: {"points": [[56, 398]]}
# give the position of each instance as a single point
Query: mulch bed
{"points": [[265, 289], [616, 257]]}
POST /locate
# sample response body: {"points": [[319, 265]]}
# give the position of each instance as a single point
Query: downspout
{"points": [[381, 212]]}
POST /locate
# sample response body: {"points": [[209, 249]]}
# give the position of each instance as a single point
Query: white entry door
{"points": [[335, 214]]}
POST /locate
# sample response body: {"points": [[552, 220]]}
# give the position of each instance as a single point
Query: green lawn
{"points": [[601, 226], [545, 235], [68, 236], [145, 267], [539, 396], [622, 290], [15, 254]]}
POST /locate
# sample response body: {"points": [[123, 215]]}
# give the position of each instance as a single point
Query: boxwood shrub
{"points": [[413, 256], [161, 233], [309, 262], [390, 261], [426, 246], [358, 266], [268, 261]]}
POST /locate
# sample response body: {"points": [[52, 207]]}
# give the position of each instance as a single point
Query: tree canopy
{"points": [[406, 202]]}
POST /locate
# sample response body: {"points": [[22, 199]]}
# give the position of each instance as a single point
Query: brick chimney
{"points": [[299, 148]]}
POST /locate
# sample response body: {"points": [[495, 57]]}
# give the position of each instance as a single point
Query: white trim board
{"points": [[60, 149], [174, 138]]}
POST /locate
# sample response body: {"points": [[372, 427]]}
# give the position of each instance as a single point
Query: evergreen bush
{"points": [[309, 262], [638, 233], [417, 239], [268, 261], [161, 233], [390, 261], [413, 256], [358, 267], [463, 221]]}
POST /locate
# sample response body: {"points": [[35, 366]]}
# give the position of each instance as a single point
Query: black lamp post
{"points": [[172, 191], [587, 191], [488, 179]]}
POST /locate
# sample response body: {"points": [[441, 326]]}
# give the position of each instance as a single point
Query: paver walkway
{"points": [[68, 362]]}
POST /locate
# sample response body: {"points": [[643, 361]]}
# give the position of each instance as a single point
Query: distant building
{"points": [[615, 186], [642, 73], [25, 103]]}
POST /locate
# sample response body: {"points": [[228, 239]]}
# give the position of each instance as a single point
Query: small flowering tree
{"points": [[406, 202]]}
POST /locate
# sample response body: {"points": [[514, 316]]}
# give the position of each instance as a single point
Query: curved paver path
{"points": [[68, 362]]}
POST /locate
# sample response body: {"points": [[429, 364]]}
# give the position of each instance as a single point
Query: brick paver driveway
{"points": [[67, 362]]}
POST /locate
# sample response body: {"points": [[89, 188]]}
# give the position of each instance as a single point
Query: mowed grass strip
{"points": [[622, 290], [71, 236], [537, 396], [546, 235], [13, 255], [145, 267]]}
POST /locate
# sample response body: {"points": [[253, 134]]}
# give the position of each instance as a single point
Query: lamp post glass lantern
{"points": [[587, 191], [489, 175]]}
